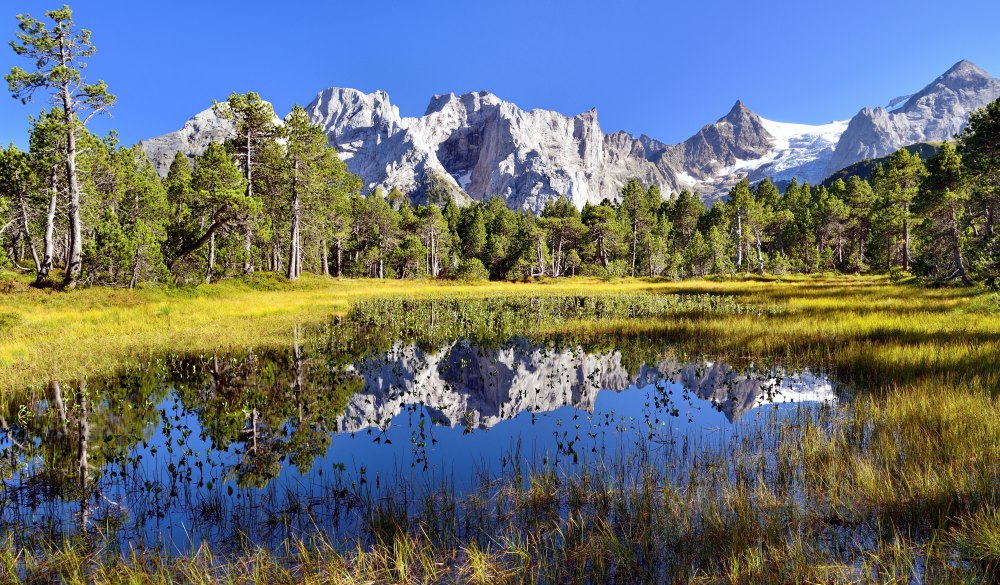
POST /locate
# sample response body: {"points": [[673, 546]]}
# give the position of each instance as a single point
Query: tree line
{"points": [[276, 197]]}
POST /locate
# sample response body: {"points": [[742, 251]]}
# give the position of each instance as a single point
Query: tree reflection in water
{"points": [[400, 396]]}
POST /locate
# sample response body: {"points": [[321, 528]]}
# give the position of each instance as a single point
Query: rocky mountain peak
{"points": [[192, 139], [937, 112], [739, 112], [738, 136], [477, 145], [965, 69]]}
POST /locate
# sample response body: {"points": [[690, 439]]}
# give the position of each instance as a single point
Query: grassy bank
{"points": [[865, 324], [46, 334], [901, 487]]}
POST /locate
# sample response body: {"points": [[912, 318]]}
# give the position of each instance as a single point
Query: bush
{"points": [[471, 269], [615, 269], [896, 274], [779, 265]]}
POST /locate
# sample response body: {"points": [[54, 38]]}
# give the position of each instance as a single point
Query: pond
{"points": [[400, 406]]}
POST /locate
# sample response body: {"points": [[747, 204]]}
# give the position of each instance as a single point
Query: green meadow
{"points": [[897, 485]]}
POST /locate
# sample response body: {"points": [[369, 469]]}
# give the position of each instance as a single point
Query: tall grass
{"points": [[901, 487]]}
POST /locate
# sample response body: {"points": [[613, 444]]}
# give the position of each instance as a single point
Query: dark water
{"points": [[400, 402]]}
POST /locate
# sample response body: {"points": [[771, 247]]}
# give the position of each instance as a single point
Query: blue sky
{"points": [[660, 68]]}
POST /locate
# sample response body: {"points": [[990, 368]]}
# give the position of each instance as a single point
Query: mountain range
{"points": [[476, 145], [464, 384]]}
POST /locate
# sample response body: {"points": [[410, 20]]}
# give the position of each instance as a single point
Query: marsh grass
{"points": [[901, 487]]}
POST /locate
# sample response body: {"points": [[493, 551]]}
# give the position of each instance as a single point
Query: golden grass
{"points": [[47, 334], [914, 463]]}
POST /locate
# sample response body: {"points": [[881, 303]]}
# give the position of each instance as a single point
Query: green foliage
{"points": [[276, 197], [471, 269]]}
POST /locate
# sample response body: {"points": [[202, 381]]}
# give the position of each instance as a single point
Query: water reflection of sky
{"points": [[423, 422], [412, 451]]}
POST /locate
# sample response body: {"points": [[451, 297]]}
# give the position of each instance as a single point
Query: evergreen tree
{"points": [[903, 173], [561, 220], [17, 182], [309, 160], [435, 235], [979, 146], [638, 211], [220, 201], [471, 229], [126, 216], [941, 200], [59, 55], [253, 120], [47, 154], [685, 212], [860, 200], [604, 231]]}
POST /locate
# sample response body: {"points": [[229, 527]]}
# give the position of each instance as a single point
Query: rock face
{"points": [[476, 145], [742, 144], [937, 112], [483, 146], [480, 145], [193, 139]]}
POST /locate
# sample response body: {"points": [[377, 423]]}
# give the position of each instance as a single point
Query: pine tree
{"points": [[47, 154], [17, 181], [903, 173], [561, 220], [308, 161], [221, 201], [685, 212], [638, 211], [604, 230], [860, 200], [979, 146], [942, 199], [59, 55], [253, 120]]}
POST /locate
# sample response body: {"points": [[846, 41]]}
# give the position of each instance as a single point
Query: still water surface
{"points": [[395, 402]]}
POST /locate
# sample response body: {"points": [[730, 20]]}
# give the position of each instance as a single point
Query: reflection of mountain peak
{"points": [[465, 384]]}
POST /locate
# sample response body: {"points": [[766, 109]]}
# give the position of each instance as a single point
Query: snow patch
{"points": [[897, 103]]}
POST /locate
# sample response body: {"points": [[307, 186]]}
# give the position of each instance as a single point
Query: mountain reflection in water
{"points": [[270, 444]]}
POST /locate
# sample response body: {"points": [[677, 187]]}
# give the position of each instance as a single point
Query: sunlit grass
{"points": [[47, 334], [900, 487]]}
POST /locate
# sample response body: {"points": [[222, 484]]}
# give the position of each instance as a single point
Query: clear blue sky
{"points": [[656, 67]]}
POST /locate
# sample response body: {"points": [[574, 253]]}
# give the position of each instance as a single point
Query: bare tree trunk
{"points": [[74, 261], [84, 432], [299, 382], [324, 255], [861, 248], [340, 258], [541, 257], [956, 247], [760, 254], [48, 238], [294, 251], [211, 258], [906, 236], [57, 401], [434, 259], [27, 234], [248, 250], [635, 244], [739, 240], [135, 270]]}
